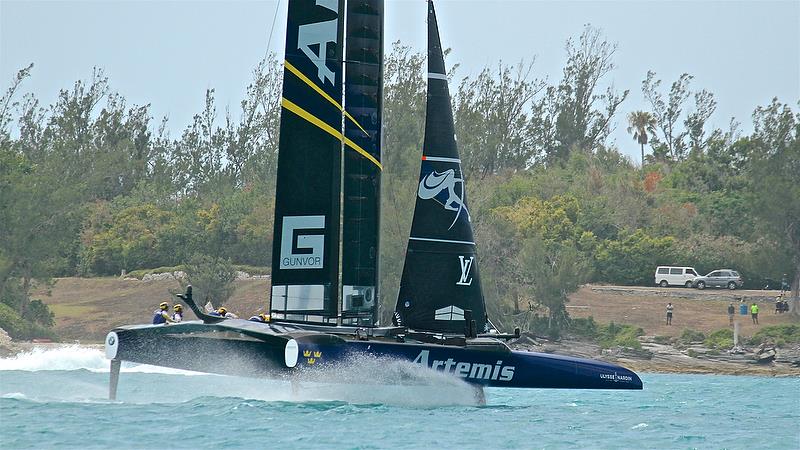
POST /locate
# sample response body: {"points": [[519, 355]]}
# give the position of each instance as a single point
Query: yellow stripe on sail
{"points": [[319, 90], [328, 129]]}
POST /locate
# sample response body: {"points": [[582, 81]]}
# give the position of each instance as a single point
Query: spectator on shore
{"points": [[731, 312], [754, 313], [669, 313]]}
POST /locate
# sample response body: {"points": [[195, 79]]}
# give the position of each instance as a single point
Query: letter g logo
{"points": [[308, 250]]}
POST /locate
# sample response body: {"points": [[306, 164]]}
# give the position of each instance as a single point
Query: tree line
{"points": [[92, 186]]}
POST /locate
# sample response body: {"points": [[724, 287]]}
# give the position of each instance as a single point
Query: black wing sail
{"points": [[362, 168], [305, 254], [440, 276]]}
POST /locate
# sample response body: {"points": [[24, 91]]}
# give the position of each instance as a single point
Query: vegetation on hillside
{"points": [[91, 185]]}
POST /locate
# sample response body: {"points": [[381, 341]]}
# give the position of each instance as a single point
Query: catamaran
{"points": [[324, 297]]}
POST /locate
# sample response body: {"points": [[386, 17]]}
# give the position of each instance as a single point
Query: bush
{"points": [[21, 329], [720, 339], [539, 326], [691, 336], [620, 335], [778, 334], [583, 327]]}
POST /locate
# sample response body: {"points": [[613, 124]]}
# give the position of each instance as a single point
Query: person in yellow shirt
{"points": [[754, 313]]}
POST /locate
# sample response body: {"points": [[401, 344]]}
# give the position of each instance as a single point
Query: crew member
{"points": [[221, 312], [731, 312], [177, 316], [669, 313], [161, 315], [263, 318], [754, 313]]}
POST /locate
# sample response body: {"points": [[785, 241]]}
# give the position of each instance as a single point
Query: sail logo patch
{"points": [[466, 266], [441, 187], [300, 248], [449, 313], [476, 371], [319, 34]]}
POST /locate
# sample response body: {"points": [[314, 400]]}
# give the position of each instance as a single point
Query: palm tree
{"points": [[642, 125]]}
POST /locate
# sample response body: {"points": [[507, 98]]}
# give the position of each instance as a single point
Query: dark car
{"points": [[722, 278]]}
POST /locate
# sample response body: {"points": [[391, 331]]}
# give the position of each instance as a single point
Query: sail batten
{"points": [[440, 280]]}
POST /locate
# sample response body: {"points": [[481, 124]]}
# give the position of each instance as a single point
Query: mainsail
{"points": [[361, 185], [305, 253], [440, 283]]}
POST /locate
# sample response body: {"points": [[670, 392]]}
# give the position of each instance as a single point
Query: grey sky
{"points": [[168, 53]]}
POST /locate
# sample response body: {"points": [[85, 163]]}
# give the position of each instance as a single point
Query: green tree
{"points": [[550, 272], [211, 279], [579, 115], [492, 121]]}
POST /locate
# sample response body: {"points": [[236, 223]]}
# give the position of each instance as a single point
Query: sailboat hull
{"points": [[238, 347]]}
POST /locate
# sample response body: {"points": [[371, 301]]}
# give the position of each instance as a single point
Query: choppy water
{"points": [[57, 399]]}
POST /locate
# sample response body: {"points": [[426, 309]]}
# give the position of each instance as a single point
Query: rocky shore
{"points": [[665, 358]]}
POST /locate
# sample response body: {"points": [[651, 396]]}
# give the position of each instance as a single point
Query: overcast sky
{"points": [[168, 53]]}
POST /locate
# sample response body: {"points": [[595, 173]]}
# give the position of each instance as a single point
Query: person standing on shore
{"points": [[754, 313], [731, 312], [669, 313]]}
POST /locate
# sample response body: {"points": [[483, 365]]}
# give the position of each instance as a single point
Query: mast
{"points": [[440, 282], [361, 178], [305, 253]]}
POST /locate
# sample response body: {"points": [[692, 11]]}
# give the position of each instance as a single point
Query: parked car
{"points": [[674, 276], [719, 278]]}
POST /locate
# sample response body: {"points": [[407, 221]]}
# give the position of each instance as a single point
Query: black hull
{"points": [[238, 347]]}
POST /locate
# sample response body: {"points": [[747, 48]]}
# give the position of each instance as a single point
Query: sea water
{"points": [[57, 398]]}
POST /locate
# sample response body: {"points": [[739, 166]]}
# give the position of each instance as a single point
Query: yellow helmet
{"points": [[177, 307], [164, 305], [222, 310], [264, 317]]}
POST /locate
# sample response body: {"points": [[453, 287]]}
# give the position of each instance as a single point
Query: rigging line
{"points": [[328, 129], [272, 29], [319, 90]]}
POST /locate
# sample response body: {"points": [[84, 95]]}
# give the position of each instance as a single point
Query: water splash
{"points": [[75, 357], [361, 379]]}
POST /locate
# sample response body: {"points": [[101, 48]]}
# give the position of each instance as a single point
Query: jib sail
{"points": [[440, 282], [305, 254], [361, 180]]}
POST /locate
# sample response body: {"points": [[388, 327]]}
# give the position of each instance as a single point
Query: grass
{"points": [[779, 335], [63, 311]]}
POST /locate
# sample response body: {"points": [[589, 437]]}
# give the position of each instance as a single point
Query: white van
{"points": [[674, 276]]}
